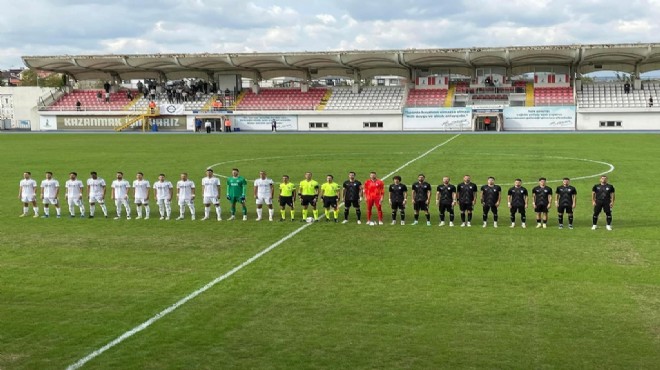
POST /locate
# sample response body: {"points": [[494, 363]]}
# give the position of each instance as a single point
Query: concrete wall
{"points": [[631, 119], [351, 121], [25, 104]]}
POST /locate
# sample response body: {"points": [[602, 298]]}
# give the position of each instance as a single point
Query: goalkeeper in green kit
{"points": [[236, 186]]}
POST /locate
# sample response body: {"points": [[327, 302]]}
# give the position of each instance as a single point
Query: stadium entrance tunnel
{"points": [[490, 121]]}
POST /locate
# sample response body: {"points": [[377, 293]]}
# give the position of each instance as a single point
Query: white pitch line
{"points": [[78, 364]]}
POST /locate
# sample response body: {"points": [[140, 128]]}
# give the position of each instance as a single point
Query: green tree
{"points": [[30, 77]]}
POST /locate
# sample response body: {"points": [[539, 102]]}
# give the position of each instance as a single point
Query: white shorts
{"points": [[141, 201], [96, 198], [163, 201], [28, 199], [52, 201], [185, 202], [75, 202], [261, 200], [209, 200]]}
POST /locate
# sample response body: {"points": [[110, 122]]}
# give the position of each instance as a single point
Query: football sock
{"points": [[283, 213], [46, 211], [495, 217], [244, 210], [316, 214], [207, 211], [462, 217], [560, 218], [609, 219], [346, 213], [336, 214], [358, 212], [416, 216], [451, 215], [469, 216], [270, 213], [138, 210], [25, 210], [393, 215], [304, 214], [442, 217], [233, 209], [57, 210], [523, 217], [570, 219], [293, 214], [428, 217], [104, 209], [327, 214], [259, 212], [403, 216], [218, 211], [92, 209]]}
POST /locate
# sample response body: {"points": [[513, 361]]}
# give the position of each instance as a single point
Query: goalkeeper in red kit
{"points": [[374, 190]]}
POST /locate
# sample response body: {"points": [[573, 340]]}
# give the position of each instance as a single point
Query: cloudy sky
{"points": [[55, 27]]}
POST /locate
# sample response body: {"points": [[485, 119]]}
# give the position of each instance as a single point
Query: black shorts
{"points": [[286, 201], [541, 208], [565, 209], [398, 204], [330, 202], [489, 208], [519, 209], [420, 205], [309, 199], [352, 203], [465, 207], [446, 207], [602, 206]]}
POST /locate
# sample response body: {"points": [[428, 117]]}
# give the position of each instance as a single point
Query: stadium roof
{"points": [[307, 65]]}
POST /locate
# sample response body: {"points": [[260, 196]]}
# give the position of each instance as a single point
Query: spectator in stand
{"points": [[106, 86], [177, 95], [217, 105], [129, 95], [78, 105], [227, 124], [170, 96], [139, 86], [152, 92], [184, 95], [107, 97], [227, 92], [152, 107], [651, 102], [198, 95], [99, 96], [145, 91], [626, 87]]}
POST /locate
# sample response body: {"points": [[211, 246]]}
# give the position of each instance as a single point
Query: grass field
{"points": [[334, 296]]}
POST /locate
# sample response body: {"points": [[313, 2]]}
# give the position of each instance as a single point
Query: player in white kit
{"points": [[163, 194], [141, 195], [119, 194], [96, 194], [50, 190], [211, 186], [74, 194], [185, 192], [263, 193], [27, 193]]}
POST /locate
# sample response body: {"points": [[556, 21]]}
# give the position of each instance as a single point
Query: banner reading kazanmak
{"points": [[108, 123], [440, 119]]}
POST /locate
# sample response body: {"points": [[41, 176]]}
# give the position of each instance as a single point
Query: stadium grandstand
{"points": [[511, 88]]}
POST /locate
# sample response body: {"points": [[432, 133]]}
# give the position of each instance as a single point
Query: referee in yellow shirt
{"points": [[309, 193], [330, 195], [287, 197]]}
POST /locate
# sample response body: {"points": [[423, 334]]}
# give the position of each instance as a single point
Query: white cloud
{"points": [[195, 26]]}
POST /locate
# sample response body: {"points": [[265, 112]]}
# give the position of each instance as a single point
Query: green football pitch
{"points": [[332, 296]]}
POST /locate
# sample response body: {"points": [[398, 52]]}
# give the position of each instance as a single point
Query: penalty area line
{"points": [[78, 364]]}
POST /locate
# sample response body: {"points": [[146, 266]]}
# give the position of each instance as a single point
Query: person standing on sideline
{"points": [[445, 199], [236, 187], [309, 194], [565, 201], [273, 125], [27, 193], [263, 194], [517, 202], [207, 125], [467, 197], [491, 196], [602, 198], [421, 194], [352, 195], [163, 194], [119, 194], [374, 191], [74, 195], [398, 199], [330, 195], [227, 124], [185, 192], [141, 195], [211, 189], [541, 202], [50, 190], [96, 194], [287, 197]]}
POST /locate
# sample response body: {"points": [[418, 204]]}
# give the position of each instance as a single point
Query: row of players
{"points": [[309, 191]]}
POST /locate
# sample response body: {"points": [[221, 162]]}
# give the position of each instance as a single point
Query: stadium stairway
{"points": [[131, 119], [324, 100], [449, 99], [529, 95], [238, 100], [132, 102]]}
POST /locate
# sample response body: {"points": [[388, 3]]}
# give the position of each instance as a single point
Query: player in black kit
{"points": [[398, 199], [445, 199], [517, 202], [467, 197], [566, 198], [541, 201], [421, 197], [352, 194], [491, 195], [602, 198]]}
